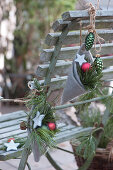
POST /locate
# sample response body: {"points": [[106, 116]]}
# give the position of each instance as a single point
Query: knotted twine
{"points": [[91, 27]]}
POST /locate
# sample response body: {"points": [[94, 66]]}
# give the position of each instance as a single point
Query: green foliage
{"points": [[90, 79], [107, 136], [87, 146], [94, 118], [42, 135], [35, 24], [89, 95], [90, 117]]}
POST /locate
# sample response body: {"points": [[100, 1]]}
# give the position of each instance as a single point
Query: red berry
{"points": [[51, 126], [9, 140], [85, 67]]}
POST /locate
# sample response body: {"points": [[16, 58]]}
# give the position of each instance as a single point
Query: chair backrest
{"points": [[58, 57]]}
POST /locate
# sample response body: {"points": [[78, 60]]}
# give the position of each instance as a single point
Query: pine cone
{"points": [[89, 41], [98, 64], [23, 126]]}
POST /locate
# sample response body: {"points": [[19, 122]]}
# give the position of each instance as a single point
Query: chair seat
{"points": [[10, 127]]}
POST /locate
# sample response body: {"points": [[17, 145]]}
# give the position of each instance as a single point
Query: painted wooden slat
{"points": [[63, 128], [107, 61], [84, 14], [11, 134], [55, 55], [12, 122], [61, 137], [60, 24], [108, 74], [59, 82], [68, 131], [16, 133], [69, 52], [62, 67], [56, 83], [74, 37], [72, 134], [21, 135], [9, 129], [12, 116], [10, 155]]}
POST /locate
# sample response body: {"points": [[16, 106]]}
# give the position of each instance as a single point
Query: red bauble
{"points": [[85, 67], [51, 126]]}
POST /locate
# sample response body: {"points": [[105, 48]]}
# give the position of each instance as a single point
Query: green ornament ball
{"points": [[89, 41], [44, 127], [98, 64]]}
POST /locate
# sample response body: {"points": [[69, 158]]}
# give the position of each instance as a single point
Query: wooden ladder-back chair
{"points": [[56, 61]]}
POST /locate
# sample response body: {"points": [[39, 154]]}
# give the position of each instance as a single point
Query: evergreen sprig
{"points": [[94, 118], [42, 135], [91, 117], [90, 78], [87, 96], [87, 146], [107, 136]]}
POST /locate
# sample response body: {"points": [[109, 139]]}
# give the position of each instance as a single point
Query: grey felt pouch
{"points": [[74, 87]]}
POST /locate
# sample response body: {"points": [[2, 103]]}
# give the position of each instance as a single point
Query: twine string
{"points": [[91, 27], [80, 32]]}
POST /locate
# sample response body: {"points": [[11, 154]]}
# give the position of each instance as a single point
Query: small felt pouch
{"points": [[74, 86]]}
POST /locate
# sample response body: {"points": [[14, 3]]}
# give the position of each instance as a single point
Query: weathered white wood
{"points": [[9, 129], [22, 136], [62, 67], [74, 37], [12, 122], [69, 52], [59, 82], [60, 24], [68, 131], [56, 83], [55, 55], [11, 134], [108, 74], [61, 137], [72, 134], [84, 14], [12, 116], [10, 155], [107, 61], [23, 133]]}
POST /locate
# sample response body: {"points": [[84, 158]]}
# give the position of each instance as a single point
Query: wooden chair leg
{"points": [[23, 162], [53, 163]]}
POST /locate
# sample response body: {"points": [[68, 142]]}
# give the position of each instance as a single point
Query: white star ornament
{"points": [[38, 119], [11, 146], [80, 59]]}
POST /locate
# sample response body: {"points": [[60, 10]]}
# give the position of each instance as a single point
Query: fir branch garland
{"points": [[42, 135]]}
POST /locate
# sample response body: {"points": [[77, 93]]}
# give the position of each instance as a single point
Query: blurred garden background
{"points": [[23, 27]]}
